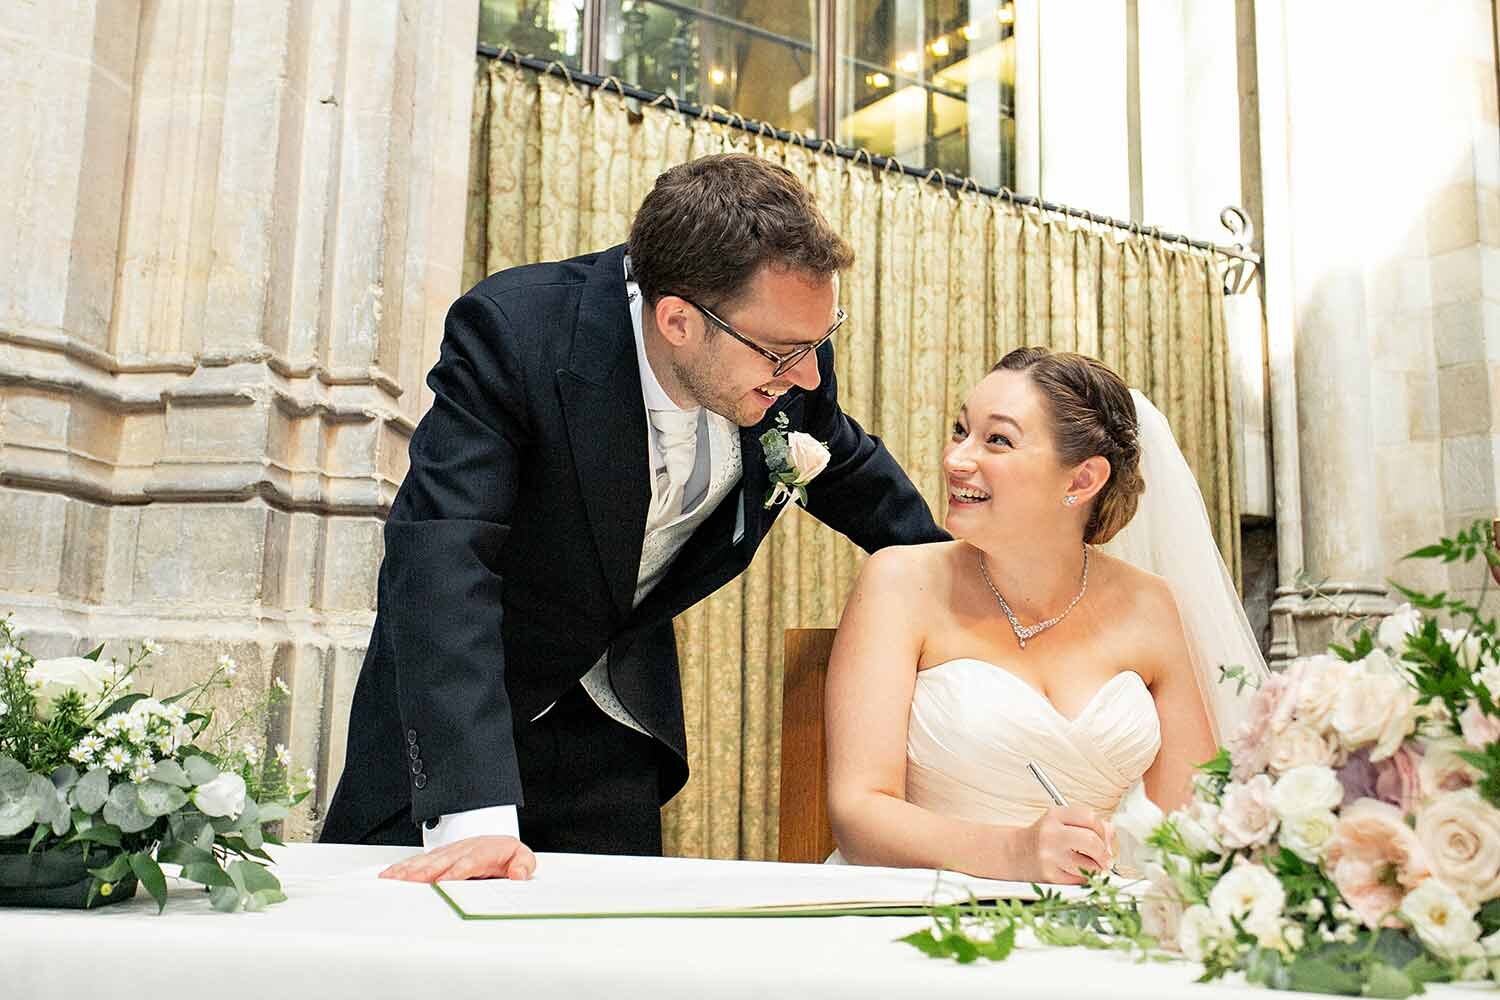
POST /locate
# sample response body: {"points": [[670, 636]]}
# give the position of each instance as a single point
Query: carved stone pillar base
{"points": [[1304, 620]]}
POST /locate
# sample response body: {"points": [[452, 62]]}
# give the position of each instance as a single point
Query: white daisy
{"points": [[117, 758], [93, 743], [283, 755], [227, 664], [140, 772], [151, 648], [81, 754], [252, 754], [9, 656]]}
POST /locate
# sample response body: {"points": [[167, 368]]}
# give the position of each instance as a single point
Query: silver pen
{"points": [[1057, 798], [1046, 783]]}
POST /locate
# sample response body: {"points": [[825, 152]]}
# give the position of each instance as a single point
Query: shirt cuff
{"points": [[491, 821]]}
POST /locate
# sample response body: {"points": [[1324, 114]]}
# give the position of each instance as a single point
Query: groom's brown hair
{"points": [[708, 226], [1092, 414]]}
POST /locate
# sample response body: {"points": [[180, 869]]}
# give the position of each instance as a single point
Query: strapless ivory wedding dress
{"points": [[974, 726]]}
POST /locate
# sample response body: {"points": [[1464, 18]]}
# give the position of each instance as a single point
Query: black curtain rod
{"points": [[827, 146]]}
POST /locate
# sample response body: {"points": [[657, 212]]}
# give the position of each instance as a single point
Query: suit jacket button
{"points": [[416, 766], [420, 781], [411, 737], [413, 752]]}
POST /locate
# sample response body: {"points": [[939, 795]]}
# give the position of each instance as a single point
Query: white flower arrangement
{"points": [[110, 784]]}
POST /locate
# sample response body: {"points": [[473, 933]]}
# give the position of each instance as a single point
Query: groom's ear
{"points": [[674, 320], [1089, 478]]}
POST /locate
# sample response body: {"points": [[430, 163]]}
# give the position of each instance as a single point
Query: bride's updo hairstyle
{"points": [[1092, 414]]}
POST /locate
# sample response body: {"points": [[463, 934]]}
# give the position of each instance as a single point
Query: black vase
{"points": [[57, 878]]}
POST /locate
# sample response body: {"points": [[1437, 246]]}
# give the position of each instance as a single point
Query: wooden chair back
{"points": [[806, 834]]}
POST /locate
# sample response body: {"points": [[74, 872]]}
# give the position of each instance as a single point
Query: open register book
{"points": [[580, 885]]}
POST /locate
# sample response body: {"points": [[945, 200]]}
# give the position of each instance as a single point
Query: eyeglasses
{"points": [[782, 362]]}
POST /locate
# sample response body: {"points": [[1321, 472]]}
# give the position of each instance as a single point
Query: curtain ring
{"points": [[663, 98], [566, 73], [827, 146], [940, 179], [604, 85], [967, 182], [891, 163], [1007, 195]]}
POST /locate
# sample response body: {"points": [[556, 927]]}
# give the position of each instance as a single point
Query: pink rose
{"points": [[1479, 729], [807, 454], [1461, 835], [1270, 711], [1374, 858], [1443, 770], [1246, 817], [1397, 779]]}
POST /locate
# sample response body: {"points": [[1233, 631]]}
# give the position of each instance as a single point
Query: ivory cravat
{"points": [[677, 436]]}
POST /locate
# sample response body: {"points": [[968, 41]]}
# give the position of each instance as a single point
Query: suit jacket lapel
{"points": [[606, 424]]}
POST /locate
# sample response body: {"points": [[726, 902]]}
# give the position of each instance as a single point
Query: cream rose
{"points": [[1460, 833], [54, 678], [1246, 817], [807, 455], [1198, 825], [1300, 745], [1310, 789], [1377, 706], [1307, 834], [223, 796], [1323, 680], [1396, 626]]}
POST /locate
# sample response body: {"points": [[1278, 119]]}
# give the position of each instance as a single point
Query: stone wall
{"points": [[230, 234]]}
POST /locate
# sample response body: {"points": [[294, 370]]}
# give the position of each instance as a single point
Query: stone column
{"points": [[232, 232]]}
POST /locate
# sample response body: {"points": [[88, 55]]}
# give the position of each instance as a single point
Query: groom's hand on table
{"points": [[1069, 840], [472, 857]]}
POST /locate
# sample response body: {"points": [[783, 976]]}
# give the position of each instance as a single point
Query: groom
{"points": [[591, 467]]}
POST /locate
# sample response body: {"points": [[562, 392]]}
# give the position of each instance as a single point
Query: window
{"points": [[930, 82]]}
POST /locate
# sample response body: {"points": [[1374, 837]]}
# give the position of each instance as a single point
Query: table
{"points": [[343, 934]]}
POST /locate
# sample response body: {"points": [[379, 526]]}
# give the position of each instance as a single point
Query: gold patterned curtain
{"points": [[944, 283]]}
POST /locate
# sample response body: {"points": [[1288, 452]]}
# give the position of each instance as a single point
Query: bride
{"points": [[959, 663]]}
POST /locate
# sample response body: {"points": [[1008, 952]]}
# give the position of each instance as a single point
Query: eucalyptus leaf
{"points": [[13, 779], [65, 777], [149, 872], [252, 877], [114, 871], [1383, 981], [179, 853], [169, 772], [16, 815], [262, 898], [62, 821], [99, 833], [205, 837], [207, 873], [253, 837], [39, 835], [157, 799], [123, 810], [92, 791], [199, 770], [225, 898], [43, 798], [272, 811]]}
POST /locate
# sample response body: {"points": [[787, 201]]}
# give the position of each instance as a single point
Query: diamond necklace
{"points": [[1025, 632]]}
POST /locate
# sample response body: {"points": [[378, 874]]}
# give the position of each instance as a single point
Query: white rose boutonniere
{"points": [[793, 459]]}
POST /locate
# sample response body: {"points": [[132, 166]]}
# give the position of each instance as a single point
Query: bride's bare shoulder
{"points": [[907, 566], [1139, 594]]}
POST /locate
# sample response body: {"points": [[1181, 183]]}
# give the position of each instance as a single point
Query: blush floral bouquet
{"points": [[1346, 840]]}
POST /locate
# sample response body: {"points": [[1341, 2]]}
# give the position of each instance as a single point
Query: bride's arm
{"points": [[871, 677], [1186, 736]]}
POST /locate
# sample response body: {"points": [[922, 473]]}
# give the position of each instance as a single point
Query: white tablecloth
{"points": [[342, 934]]}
